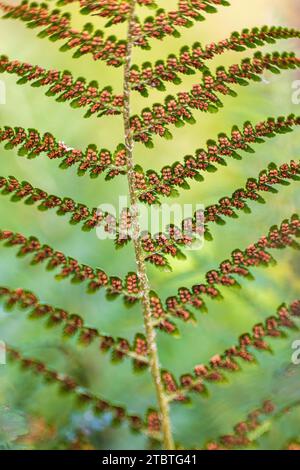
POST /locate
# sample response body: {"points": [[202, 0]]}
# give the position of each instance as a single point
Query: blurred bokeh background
{"points": [[51, 419]]}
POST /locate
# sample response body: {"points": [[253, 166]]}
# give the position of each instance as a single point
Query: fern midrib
{"points": [[137, 243]]}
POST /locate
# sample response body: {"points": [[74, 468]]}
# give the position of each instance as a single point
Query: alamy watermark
{"points": [[296, 92], [296, 354], [2, 353], [176, 221]]}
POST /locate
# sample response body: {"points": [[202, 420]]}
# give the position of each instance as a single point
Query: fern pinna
{"points": [[251, 420]]}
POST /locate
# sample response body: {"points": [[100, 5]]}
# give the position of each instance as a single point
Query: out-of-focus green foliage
{"points": [[12, 426]]}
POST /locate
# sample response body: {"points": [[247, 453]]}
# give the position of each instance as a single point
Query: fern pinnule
{"points": [[192, 59], [71, 268], [178, 110], [155, 246], [31, 144], [116, 10], [79, 213], [164, 23], [151, 185], [160, 246], [233, 359], [154, 185], [65, 88], [255, 255], [74, 325], [258, 422], [265, 182], [69, 385], [57, 25]]}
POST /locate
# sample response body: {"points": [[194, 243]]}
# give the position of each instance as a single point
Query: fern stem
{"points": [[140, 262]]}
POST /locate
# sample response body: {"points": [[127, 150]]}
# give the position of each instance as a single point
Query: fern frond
{"points": [[84, 397], [24, 191], [150, 186], [155, 247], [164, 23], [110, 49], [247, 432], [71, 268], [171, 242], [154, 184], [129, 288], [79, 213], [178, 110], [287, 318], [167, 23], [93, 160], [255, 255], [57, 26], [74, 325], [267, 178], [65, 88], [194, 59], [115, 10]]}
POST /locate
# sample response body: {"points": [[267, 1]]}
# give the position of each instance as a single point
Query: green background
{"points": [[50, 418]]}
